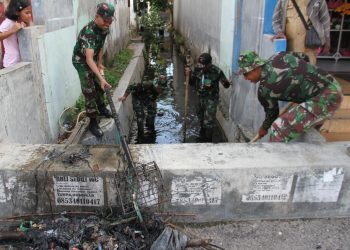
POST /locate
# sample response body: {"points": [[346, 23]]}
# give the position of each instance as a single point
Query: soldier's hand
{"points": [[226, 84], [262, 132], [104, 84], [122, 99]]}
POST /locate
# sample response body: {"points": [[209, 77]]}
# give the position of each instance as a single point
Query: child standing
{"points": [[18, 15]]}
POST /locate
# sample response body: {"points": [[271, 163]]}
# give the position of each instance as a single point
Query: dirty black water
{"points": [[169, 123]]}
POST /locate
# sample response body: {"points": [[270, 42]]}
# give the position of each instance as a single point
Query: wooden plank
{"points": [[78, 132], [336, 136], [345, 85], [336, 126], [345, 103], [342, 114]]}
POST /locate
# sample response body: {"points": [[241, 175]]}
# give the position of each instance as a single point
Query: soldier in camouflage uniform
{"points": [[206, 78], [286, 77], [88, 61], [161, 83], [144, 96]]}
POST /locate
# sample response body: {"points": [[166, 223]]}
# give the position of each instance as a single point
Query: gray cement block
{"points": [[216, 182], [51, 178], [254, 181], [27, 39]]}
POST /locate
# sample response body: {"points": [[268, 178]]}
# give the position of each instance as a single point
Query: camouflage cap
{"points": [[105, 10], [248, 61]]}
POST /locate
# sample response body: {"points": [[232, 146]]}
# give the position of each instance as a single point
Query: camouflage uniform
{"points": [[285, 77], [161, 86], [207, 87], [160, 83], [91, 37], [144, 96]]}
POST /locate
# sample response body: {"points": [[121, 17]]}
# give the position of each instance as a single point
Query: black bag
{"points": [[312, 39]]}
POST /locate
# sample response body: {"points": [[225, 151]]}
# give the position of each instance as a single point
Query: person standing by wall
{"points": [[18, 15], [286, 77], [287, 24], [206, 77], [88, 61]]}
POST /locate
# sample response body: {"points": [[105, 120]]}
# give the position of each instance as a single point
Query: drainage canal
{"points": [[169, 122]]}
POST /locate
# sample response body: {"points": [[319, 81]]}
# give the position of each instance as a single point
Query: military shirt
{"points": [[286, 77], [145, 91], [207, 84], [90, 37], [159, 83]]}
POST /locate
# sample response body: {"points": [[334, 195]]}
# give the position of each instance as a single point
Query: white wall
{"points": [[199, 21], [60, 79], [20, 109], [245, 108], [216, 25]]}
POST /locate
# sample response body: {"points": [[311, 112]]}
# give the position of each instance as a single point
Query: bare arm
{"points": [[13, 30], [123, 98], [100, 60], [89, 53]]}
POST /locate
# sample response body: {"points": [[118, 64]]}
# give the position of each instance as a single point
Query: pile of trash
{"points": [[92, 232]]}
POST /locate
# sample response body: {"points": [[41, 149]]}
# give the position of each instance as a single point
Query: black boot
{"points": [[150, 122], [105, 112], [95, 128], [209, 135], [140, 131]]}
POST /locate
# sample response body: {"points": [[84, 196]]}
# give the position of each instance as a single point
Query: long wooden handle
{"points": [[255, 139]]}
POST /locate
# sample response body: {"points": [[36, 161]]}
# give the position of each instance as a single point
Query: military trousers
{"points": [[305, 115], [139, 107], [94, 95], [206, 111]]}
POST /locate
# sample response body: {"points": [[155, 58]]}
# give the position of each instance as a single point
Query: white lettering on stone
{"points": [[195, 191], [2, 191], [78, 191], [321, 187], [7, 187], [10, 185], [269, 188]]}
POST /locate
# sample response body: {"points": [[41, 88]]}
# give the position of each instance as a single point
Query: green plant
{"points": [[152, 23], [160, 5], [80, 104], [178, 38]]}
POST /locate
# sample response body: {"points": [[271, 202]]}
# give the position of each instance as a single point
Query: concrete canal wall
{"points": [[214, 181]]}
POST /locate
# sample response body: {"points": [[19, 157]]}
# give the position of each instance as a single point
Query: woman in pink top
{"points": [[18, 15]]}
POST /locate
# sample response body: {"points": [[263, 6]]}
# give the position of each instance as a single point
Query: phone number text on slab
{"points": [[78, 201]]}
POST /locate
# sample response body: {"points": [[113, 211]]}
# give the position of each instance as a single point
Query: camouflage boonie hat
{"points": [[105, 10], [248, 61]]}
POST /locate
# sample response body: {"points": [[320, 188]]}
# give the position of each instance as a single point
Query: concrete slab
{"points": [[215, 181], [48, 178], [254, 181]]}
